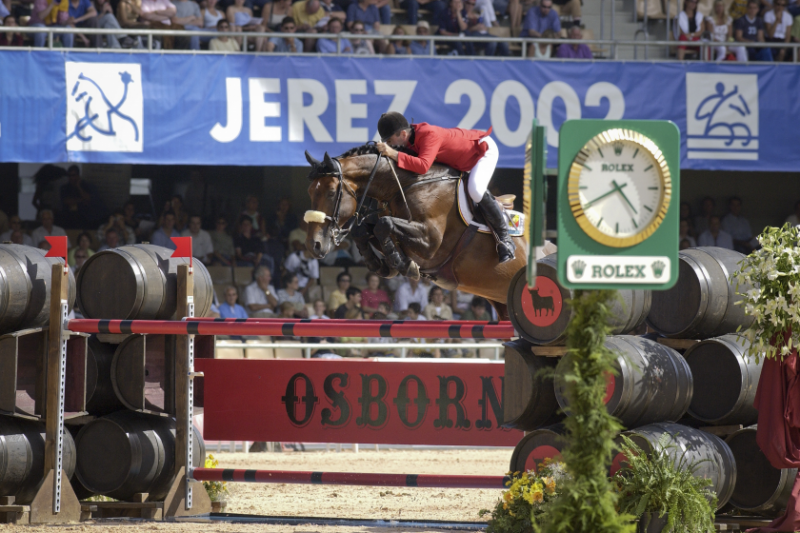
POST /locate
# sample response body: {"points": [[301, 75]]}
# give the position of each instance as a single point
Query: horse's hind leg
{"points": [[502, 310]]}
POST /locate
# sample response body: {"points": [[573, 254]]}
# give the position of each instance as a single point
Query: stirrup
{"points": [[505, 254]]}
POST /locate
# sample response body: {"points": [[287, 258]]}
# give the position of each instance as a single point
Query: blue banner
{"points": [[266, 110]]}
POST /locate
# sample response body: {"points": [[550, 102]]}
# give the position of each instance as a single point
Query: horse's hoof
{"points": [[413, 271]]}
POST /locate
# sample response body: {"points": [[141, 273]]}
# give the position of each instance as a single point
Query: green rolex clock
{"points": [[618, 190]]}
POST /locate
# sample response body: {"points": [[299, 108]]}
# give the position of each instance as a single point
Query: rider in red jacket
{"points": [[470, 151]]}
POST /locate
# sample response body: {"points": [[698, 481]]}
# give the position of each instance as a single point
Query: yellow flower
{"points": [[538, 496], [550, 484], [508, 496], [528, 497]]}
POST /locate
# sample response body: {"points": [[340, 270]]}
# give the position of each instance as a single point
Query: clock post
{"points": [[618, 204]]}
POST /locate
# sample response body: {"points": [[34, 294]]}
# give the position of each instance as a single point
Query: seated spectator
{"points": [[353, 303], [361, 46], [165, 232], [84, 246], [128, 12], [47, 229], [412, 8], [778, 28], [223, 43], [543, 50], [715, 236], [81, 202], [750, 29], [332, 10], [689, 24], [50, 13], [117, 221], [181, 216], [793, 219], [134, 221], [211, 17], [422, 48], [452, 24], [285, 45], [15, 224], [409, 292], [328, 46], [414, 312], [291, 293], [684, 244], [231, 309], [248, 247], [459, 301], [574, 51], [111, 240], [477, 310], [274, 13], [373, 295], [737, 9], [365, 11], [286, 310], [739, 227], [222, 243], [282, 222], [571, 8], [437, 309], [241, 18], [685, 233], [399, 47], [305, 266], [260, 296], [540, 18], [202, 247], [720, 25], [251, 211], [701, 222], [385, 309], [80, 258], [272, 247], [82, 14], [298, 236], [8, 38], [339, 296], [188, 17], [306, 15], [319, 311], [478, 26], [159, 14]]}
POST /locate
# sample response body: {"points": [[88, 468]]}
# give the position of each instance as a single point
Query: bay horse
{"points": [[414, 222]]}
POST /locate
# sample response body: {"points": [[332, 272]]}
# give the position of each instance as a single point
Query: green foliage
{"points": [[527, 500], [587, 503], [664, 482]]}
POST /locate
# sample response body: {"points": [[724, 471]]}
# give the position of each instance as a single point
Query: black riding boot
{"points": [[497, 222]]}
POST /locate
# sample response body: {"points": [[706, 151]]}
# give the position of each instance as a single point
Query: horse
{"points": [[413, 221]]}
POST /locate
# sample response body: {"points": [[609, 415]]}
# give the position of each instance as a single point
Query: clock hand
{"points": [[619, 189], [612, 191]]}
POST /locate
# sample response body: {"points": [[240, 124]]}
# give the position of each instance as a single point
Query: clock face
{"points": [[619, 188]]}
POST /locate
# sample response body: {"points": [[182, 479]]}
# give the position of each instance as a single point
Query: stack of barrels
{"points": [[702, 388]]}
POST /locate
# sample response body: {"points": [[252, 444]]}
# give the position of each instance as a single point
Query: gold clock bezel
{"points": [[599, 141]]}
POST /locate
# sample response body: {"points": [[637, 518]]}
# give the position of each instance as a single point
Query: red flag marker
{"points": [[183, 248], [58, 248]]}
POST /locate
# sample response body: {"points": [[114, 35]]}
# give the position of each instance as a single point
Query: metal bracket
{"points": [[62, 376], [190, 410]]}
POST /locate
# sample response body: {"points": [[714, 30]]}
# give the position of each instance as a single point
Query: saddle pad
{"points": [[516, 220]]}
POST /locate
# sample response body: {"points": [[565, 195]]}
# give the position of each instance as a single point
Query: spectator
{"points": [[132, 220], [399, 47], [542, 50], [685, 232], [319, 311], [478, 26], [339, 296], [305, 266], [459, 301], [286, 309], [231, 309], [720, 25], [737, 9], [211, 17], [222, 243], [373, 295], [117, 221], [5, 9], [452, 24], [793, 219], [367, 12], [778, 24], [16, 225], [540, 18], [477, 310], [385, 309], [332, 10], [739, 227], [82, 14], [412, 8], [223, 43], [414, 312], [251, 211], [164, 234], [307, 14], [277, 11], [81, 202], [181, 216], [241, 18], [111, 240], [202, 247], [750, 29], [328, 46], [128, 12], [159, 14], [298, 236], [291, 293], [286, 44], [8, 38], [47, 229], [408, 292], [188, 16], [715, 236], [689, 26], [422, 48], [571, 8], [44, 245], [574, 51], [283, 221], [80, 258], [107, 20], [685, 210], [50, 13], [84, 246], [684, 244], [353, 303], [701, 222], [361, 46], [437, 309], [260, 296], [248, 247]]}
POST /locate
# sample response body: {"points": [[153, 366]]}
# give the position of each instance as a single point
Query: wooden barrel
{"points": [[653, 382], [126, 453], [702, 303], [541, 316], [760, 487], [529, 399], [100, 397], [25, 278], [712, 457], [725, 381], [138, 282], [536, 446], [141, 373], [22, 458]]}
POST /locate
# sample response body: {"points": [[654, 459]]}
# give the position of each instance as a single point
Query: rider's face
{"points": [[398, 139]]}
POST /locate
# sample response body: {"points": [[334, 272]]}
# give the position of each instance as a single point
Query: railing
{"points": [[605, 45], [307, 347]]}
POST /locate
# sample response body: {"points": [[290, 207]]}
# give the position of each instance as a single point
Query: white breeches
{"points": [[481, 173], [722, 52]]}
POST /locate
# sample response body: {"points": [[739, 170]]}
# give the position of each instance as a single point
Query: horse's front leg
{"points": [[415, 237], [362, 234]]}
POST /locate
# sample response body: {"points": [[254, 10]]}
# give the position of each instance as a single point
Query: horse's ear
{"points": [[328, 161], [311, 161]]}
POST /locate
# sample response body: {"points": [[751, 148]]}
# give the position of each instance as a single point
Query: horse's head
{"points": [[333, 203]]}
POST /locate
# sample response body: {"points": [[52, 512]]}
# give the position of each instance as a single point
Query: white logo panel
{"points": [[105, 107], [722, 116], [594, 269]]}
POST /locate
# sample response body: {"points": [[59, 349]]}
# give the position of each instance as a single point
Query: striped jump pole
{"points": [[312, 328], [330, 320], [351, 478]]}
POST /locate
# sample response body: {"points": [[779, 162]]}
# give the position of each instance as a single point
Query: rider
{"points": [[470, 151]]}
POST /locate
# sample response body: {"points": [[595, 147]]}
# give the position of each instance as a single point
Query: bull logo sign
{"points": [[542, 304]]}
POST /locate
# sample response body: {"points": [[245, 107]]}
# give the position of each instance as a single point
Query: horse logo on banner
{"points": [[104, 107]]}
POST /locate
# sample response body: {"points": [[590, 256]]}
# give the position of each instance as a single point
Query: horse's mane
{"points": [[372, 149]]}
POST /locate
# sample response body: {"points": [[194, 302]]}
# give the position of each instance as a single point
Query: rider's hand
{"points": [[387, 150]]}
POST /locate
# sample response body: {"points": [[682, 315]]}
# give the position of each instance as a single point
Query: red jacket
{"points": [[460, 149]]}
